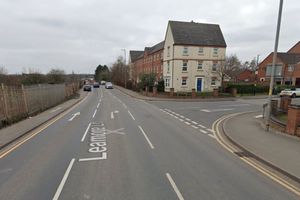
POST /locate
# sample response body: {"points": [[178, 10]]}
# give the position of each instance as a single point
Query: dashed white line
{"points": [[203, 131], [210, 130], [258, 116], [94, 113], [201, 126], [194, 127], [194, 122], [212, 136], [124, 105], [98, 105], [181, 120], [112, 115], [63, 181], [188, 119], [86, 131], [175, 188], [131, 115], [187, 123], [145, 135]]}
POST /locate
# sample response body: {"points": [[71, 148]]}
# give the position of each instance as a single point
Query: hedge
{"points": [[248, 88]]}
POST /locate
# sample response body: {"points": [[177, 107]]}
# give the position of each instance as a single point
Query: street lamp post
{"points": [[273, 66], [125, 74]]}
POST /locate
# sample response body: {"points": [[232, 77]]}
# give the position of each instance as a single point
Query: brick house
{"points": [[246, 75], [192, 54], [148, 61], [287, 70]]}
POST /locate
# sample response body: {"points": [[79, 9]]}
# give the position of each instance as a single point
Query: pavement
{"points": [[149, 98], [19, 129], [121, 147], [278, 149]]}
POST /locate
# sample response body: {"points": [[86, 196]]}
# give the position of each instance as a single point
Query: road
{"points": [[123, 148]]}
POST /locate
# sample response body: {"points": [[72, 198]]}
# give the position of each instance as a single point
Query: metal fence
{"points": [[17, 102]]}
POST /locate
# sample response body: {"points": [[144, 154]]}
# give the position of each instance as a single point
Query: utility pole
{"points": [[125, 75], [273, 66]]}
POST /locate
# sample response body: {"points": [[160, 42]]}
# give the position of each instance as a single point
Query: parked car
{"points": [[96, 85], [108, 85], [294, 92], [103, 82], [87, 88]]}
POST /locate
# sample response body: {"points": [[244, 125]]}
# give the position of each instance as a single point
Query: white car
{"points": [[290, 92], [108, 85]]}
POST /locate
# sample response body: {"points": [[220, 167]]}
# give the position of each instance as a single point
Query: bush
{"points": [[161, 85], [248, 88]]}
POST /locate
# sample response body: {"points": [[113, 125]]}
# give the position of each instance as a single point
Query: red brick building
{"points": [[287, 70], [246, 75], [148, 61]]}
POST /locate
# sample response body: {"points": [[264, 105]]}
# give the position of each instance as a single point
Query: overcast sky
{"points": [[77, 35]]}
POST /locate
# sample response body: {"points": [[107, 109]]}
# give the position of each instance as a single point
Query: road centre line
{"points": [[181, 120], [194, 122], [94, 113], [131, 115], [195, 127], [258, 116], [63, 181], [91, 159], [98, 105], [145, 135], [187, 123], [175, 188], [124, 105], [212, 136], [201, 126], [86, 131]]}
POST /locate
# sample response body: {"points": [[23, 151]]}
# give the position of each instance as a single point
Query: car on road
{"points": [[96, 85], [87, 88], [108, 85], [103, 82], [294, 92]]}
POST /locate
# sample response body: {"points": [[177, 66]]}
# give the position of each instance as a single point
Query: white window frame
{"points": [[168, 51], [213, 81], [184, 67], [184, 82], [185, 51], [200, 62], [214, 67], [290, 68], [167, 82], [200, 50], [168, 66], [215, 51]]}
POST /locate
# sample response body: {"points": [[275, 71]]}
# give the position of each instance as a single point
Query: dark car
{"points": [[96, 85], [87, 88], [108, 85]]}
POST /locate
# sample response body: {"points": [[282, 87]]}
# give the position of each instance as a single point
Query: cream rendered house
{"points": [[193, 53]]}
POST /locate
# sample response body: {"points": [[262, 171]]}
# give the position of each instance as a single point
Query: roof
{"points": [[155, 48], [289, 58], [291, 49], [192, 33], [134, 55]]}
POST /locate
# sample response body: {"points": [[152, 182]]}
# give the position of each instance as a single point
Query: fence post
{"points": [[5, 101], [24, 99]]}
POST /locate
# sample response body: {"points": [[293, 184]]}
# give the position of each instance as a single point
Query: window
{"points": [[168, 52], [200, 50], [167, 82], [184, 81], [214, 67], [168, 67], [200, 65], [290, 68], [213, 81], [184, 65], [215, 52], [185, 51]]}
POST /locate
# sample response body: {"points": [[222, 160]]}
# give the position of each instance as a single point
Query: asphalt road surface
{"points": [[124, 148]]}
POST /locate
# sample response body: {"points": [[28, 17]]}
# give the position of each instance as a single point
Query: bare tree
{"points": [[3, 70], [119, 71]]}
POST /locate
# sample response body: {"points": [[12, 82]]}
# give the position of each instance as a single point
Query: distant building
{"points": [[192, 55], [246, 76], [134, 56], [287, 69]]}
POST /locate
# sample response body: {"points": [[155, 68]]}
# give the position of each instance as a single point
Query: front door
{"points": [[199, 84]]}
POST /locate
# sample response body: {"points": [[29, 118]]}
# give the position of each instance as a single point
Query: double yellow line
{"points": [[250, 162], [38, 130]]}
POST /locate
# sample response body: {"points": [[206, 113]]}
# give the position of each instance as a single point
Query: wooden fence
{"points": [[17, 102]]}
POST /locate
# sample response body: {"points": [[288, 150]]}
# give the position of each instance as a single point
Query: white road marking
{"points": [[94, 113], [145, 135], [181, 120], [86, 131], [258, 116], [98, 105], [124, 105], [205, 110], [187, 123], [74, 115], [194, 127], [104, 157], [217, 110], [194, 122], [175, 117], [188, 119], [201, 126], [175, 188], [56, 109], [210, 130], [112, 115], [131, 115], [63, 181], [212, 136], [236, 105], [203, 131]]}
